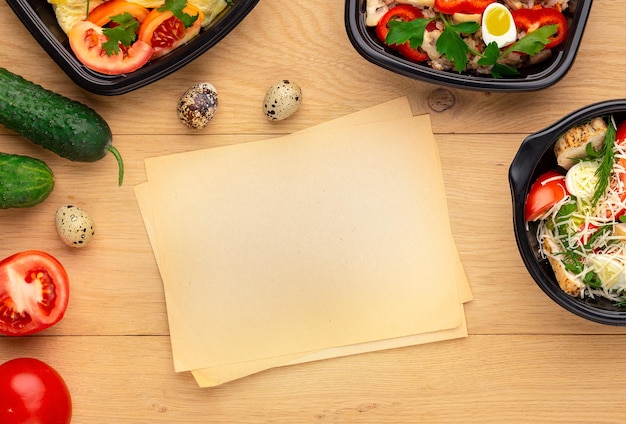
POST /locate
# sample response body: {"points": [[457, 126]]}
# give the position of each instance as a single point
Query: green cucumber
{"points": [[24, 181], [66, 127]]}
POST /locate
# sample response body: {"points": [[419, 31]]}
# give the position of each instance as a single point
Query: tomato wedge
{"points": [[545, 192], [102, 14], [164, 32], [620, 139], [34, 292], [531, 19], [404, 13], [86, 39]]}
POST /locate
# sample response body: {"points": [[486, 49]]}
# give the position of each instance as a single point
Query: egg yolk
{"points": [[497, 21]]}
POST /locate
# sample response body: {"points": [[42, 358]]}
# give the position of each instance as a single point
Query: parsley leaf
{"points": [[533, 42], [176, 7], [413, 31], [124, 33], [452, 45]]}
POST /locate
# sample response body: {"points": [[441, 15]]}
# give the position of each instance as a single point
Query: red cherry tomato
{"points": [[164, 32], [102, 14], [531, 19], [34, 293], [545, 192], [86, 41], [32, 392], [404, 13]]}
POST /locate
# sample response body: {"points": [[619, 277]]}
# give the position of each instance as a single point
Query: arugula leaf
{"points": [[176, 7], [124, 33]]}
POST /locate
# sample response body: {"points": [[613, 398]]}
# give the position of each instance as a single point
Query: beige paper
{"points": [[212, 376], [321, 228]]}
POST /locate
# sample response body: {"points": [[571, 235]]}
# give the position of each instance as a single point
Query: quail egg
{"points": [[498, 25], [74, 226], [282, 100], [198, 105]]}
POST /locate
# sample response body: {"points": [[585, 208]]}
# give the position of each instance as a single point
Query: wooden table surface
{"points": [[525, 360]]}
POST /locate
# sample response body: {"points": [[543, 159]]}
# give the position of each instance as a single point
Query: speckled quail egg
{"points": [[198, 105], [498, 25], [282, 100], [74, 226]]}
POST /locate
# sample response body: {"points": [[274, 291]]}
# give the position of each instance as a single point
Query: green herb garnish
{"points": [[124, 33], [176, 7], [451, 44], [606, 165]]}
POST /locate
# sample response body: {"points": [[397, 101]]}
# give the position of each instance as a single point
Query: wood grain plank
{"points": [[481, 379]]}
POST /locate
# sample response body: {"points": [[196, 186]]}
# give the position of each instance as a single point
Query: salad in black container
{"points": [[486, 45], [112, 47], [568, 188]]}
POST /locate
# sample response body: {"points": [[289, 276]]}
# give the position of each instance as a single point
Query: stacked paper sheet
{"points": [[327, 242]]}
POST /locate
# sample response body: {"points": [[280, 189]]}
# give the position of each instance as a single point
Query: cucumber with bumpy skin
{"points": [[24, 181], [64, 126]]}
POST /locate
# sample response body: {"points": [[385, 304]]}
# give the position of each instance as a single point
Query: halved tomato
{"points": [[620, 139], [164, 32], [545, 192], [34, 292], [86, 39], [102, 14]]}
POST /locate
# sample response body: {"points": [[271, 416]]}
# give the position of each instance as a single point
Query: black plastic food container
{"points": [[40, 20], [534, 157], [540, 76]]}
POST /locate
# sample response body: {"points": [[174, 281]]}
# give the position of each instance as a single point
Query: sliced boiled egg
{"points": [[581, 179], [498, 25], [611, 269]]}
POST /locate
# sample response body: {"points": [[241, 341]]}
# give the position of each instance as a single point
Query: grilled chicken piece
{"points": [[567, 281], [572, 145]]}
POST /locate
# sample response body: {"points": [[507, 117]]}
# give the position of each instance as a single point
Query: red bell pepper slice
{"points": [[450, 7], [404, 13], [531, 19]]}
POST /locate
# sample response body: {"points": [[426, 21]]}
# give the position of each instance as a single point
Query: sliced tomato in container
{"points": [[34, 292], [86, 41], [164, 32], [620, 140], [546, 191], [103, 13]]}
